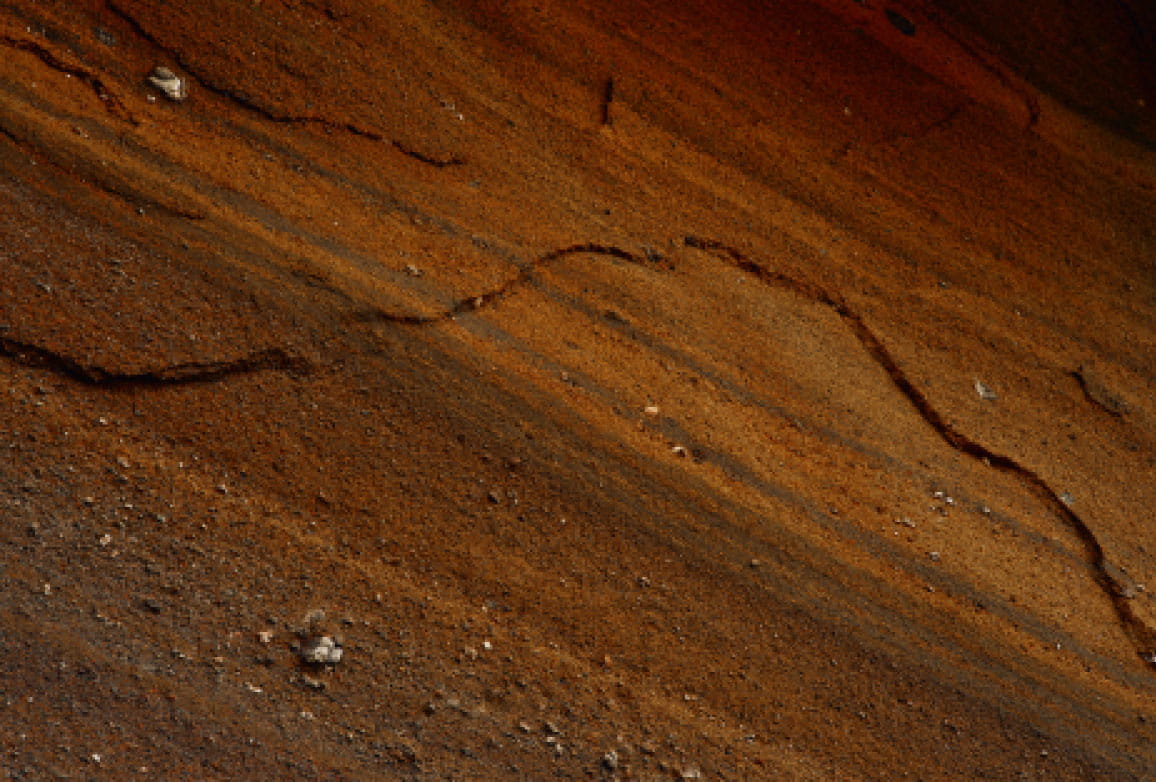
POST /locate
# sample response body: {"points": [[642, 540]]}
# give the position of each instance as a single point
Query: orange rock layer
{"points": [[642, 390]]}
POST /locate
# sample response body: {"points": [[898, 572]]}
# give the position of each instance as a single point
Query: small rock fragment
{"points": [[321, 650], [985, 392], [171, 86], [610, 760]]}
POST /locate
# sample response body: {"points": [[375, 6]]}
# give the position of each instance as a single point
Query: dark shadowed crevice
{"points": [[189, 372]]}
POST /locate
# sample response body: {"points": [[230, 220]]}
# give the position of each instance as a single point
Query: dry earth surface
{"points": [[629, 390]]}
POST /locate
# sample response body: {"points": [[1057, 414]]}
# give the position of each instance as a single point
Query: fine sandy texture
{"points": [[624, 390]]}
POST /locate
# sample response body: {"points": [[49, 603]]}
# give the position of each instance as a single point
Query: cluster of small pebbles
{"points": [[321, 650], [318, 648]]}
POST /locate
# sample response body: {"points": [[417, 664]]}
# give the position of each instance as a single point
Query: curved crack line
{"points": [[487, 298], [1142, 636], [186, 373], [112, 103], [1116, 588], [1098, 394], [273, 116], [992, 63], [921, 134]]}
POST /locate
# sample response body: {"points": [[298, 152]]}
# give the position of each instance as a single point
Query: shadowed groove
{"points": [[270, 359]]}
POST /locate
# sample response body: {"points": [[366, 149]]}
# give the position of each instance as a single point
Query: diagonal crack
{"points": [[274, 116], [1142, 636], [269, 359], [992, 63], [1115, 587], [478, 301], [112, 103]]}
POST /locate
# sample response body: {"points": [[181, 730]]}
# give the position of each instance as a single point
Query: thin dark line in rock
{"points": [[1142, 636]]}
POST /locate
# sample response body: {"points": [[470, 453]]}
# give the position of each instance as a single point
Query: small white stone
{"points": [[171, 86], [322, 650], [985, 392]]}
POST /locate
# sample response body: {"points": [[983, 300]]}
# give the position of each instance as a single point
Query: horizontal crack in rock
{"points": [[270, 359]]}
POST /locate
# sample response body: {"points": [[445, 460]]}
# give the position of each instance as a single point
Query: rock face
{"points": [[608, 371]]}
